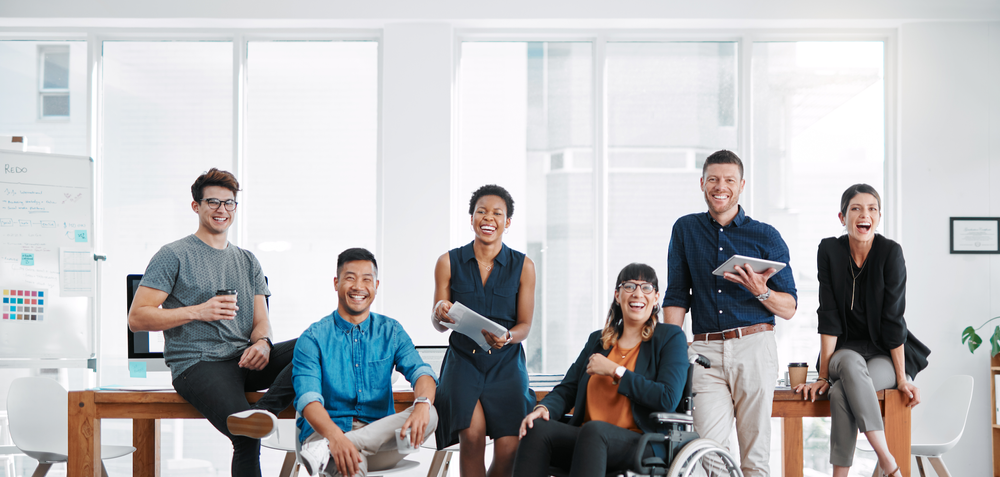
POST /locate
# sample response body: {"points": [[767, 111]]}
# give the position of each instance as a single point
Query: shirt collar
{"points": [[468, 254], [738, 221], [346, 326]]}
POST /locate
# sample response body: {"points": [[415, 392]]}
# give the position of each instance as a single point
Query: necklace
{"points": [[488, 267], [855, 276]]}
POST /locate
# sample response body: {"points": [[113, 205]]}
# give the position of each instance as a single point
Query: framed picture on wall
{"points": [[975, 235]]}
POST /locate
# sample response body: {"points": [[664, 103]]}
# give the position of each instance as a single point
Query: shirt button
{"points": [[720, 312], [720, 291], [721, 230], [720, 249], [356, 365]]}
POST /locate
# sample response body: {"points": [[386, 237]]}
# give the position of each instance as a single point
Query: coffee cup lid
{"points": [[798, 365]]}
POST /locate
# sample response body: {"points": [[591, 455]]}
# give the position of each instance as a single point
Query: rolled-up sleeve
{"points": [[407, 361], [678, 273], [307, 372], [783, 281]]}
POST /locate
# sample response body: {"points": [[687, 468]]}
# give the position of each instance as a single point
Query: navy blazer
{"points": [[885, 299], [655, 385]]}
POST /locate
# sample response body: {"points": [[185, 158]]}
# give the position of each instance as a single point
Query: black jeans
{"points": [[217, 389], [592, 449]]}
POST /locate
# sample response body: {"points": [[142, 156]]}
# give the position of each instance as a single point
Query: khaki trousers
{"points": [[376, 441], [740, 386]]}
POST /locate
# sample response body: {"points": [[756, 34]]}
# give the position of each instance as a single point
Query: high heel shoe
{"points": [[894, 473]]}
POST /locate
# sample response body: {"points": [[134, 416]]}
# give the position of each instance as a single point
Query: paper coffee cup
{"points": [[797, 373], [403, 445]]}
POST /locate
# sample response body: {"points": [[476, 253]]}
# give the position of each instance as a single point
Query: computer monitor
{"points": [[147, 346], [143, 346]]}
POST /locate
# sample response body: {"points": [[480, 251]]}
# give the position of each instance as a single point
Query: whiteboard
{"points": [[46, 205]]}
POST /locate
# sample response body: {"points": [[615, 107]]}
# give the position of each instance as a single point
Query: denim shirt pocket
{"points": [[505, 302], [378, 371]]}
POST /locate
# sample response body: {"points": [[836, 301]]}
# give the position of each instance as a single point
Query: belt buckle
{"points": [[739, 333]]}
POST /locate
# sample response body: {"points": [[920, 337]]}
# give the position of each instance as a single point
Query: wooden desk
{"points": [[791, 408], [87, 408]]}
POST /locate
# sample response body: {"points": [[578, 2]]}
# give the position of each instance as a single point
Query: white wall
{"points": [[416, 170], [950, 155]]}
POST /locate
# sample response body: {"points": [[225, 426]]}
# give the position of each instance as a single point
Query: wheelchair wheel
{"points": [[704, 458]]}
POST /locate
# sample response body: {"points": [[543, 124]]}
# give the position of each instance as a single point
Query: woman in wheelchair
{"points": [[629, 369]]}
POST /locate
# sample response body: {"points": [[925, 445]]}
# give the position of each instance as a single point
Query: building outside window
{"points": [[53, 82]]}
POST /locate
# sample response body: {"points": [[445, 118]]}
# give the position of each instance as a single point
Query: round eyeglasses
{"points": [[215, 203], [630, 287]]}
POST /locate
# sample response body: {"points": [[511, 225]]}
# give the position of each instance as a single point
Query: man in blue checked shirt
{"points": [[732, 317], [342, 371]]}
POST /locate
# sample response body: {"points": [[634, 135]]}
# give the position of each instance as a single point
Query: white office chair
{"points": [[937, 424], [284, 440], [37, 410], [939, 421]]}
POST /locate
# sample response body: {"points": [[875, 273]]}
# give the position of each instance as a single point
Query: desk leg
{"points": [[146, 440], [84, 436], [897, 428], [791, 449]]}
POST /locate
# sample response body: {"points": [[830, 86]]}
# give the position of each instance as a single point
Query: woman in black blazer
{"points": [[631, 368], [864, 343]]}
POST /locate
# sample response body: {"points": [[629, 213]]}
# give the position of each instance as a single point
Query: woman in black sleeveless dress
{"points": [[485, 393]]}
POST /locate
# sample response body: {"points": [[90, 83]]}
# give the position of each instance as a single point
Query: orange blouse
{"points": [[603, 401]]}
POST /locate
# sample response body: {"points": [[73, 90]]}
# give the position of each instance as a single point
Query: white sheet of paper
{"points": [[472, 324], [76, 272]]}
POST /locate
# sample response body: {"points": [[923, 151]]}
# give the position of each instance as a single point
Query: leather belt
{"points": [[734, 333]]}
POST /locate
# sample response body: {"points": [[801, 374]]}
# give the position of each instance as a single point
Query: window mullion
{"points": [[600, 178]]}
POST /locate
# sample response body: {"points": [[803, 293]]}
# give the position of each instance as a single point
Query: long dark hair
{"points": [[615, 324]]}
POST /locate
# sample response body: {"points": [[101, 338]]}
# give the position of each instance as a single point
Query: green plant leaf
{"points": [[973, 339], [995, 342]]}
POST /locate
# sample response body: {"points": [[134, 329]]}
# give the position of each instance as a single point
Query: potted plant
{"points": [[969, 335]]}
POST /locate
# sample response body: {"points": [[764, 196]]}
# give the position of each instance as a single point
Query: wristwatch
{"points": [[619, 372], [269, 343], [421, 399], [765, 295]]}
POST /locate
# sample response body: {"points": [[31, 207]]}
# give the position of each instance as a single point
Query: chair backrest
{"points": [[36, 412], [939, 420]]}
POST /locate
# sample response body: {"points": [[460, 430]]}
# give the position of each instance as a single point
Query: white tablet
{"points": [[758, 265]]}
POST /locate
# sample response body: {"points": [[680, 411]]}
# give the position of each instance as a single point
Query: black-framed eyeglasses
{"points": [[630, 287], [215, 203]]}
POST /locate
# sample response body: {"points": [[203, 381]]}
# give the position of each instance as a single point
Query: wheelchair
{"points": [[678, 450]]}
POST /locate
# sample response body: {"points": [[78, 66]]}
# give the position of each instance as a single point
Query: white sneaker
{"points": [[315, 456], [254, 423]]}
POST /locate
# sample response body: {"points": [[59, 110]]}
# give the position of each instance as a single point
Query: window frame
{"points": [[44, 92]]}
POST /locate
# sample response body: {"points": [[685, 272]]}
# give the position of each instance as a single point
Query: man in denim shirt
{"points": [[732, 317], [342, 375]]}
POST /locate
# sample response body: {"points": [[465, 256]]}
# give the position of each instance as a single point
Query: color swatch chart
{"points": [[26, 305]]}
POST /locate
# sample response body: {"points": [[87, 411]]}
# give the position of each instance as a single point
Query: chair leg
{"points": [[41, 470], [920, 466], [939, 466], [104, 470], [439, 465], [287, 465], [876, 472]]}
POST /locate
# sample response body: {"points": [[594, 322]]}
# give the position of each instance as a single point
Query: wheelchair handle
{"points": [[700, 360]]}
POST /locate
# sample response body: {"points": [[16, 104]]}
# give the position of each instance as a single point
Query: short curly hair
{"points": [[492, 189]]}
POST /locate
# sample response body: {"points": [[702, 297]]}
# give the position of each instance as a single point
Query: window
{"points": [[53, 88], [311, 149], [33, 70], [526, 123]]}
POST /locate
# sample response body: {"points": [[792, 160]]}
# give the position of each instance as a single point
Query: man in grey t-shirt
{"points": [[217, 346]]}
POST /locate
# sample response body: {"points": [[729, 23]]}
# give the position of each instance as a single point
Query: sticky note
{"points": [[137, 369], [27, 259], [80, 235]]}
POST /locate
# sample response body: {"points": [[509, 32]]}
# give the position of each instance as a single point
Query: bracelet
{"points": [[539, 406], [509, 338], [828, 382]]}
